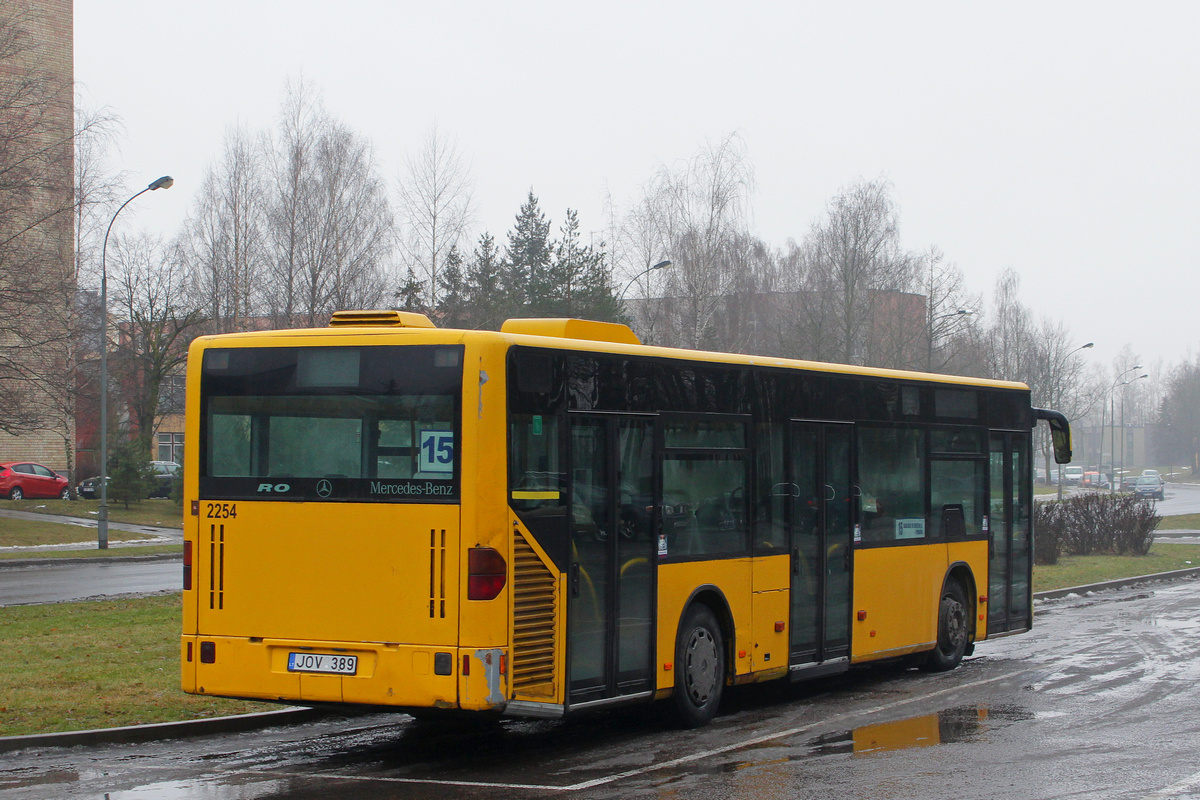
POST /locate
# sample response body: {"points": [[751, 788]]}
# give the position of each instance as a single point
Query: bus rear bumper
{"points": [[384, 674]]}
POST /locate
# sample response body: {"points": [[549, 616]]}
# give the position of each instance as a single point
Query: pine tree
{"points": [[581, 280], [453, 306], [489, 296], [408, 296], [527, 260]]}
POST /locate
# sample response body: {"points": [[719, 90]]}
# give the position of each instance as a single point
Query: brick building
{"points": [[37, 256]]}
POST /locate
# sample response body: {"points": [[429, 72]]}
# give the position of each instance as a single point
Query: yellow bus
{"points": [[555, 518]]}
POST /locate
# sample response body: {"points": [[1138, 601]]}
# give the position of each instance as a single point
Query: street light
{"points": [[1123, 437], [660, 265], [1054, 375], [165, 182], [1112, 427]]}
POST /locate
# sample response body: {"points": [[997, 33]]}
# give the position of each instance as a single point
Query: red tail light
{"points": [[486, 573], [187, 565]]}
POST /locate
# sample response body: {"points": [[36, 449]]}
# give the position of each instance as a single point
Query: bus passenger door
{"points": [[1009, 546], [610, 605], [822, 513]]}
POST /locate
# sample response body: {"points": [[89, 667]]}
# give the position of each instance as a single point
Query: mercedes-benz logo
{"points": [[324, 488]]}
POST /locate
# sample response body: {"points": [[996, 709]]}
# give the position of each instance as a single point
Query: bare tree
{"points": [[290, 205], [225, 239], [155, 323], [435, 206], [348, 243], [1012, 341], [854, 257], [949, 305], [702, 206]]}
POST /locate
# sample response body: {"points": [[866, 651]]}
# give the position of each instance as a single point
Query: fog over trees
{"points": [[298, 221]]}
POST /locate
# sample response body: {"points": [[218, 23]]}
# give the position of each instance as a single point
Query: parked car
{"points": [[1095, 480], [1072, 475], [19, 479], [89, 488], [1149, 486], [165, 473]]}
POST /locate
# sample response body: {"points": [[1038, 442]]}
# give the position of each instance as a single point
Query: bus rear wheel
{"points": [[699, 666], [953, 630]]}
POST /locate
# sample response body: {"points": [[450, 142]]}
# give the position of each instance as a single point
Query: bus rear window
{"points": [[328, 424]]}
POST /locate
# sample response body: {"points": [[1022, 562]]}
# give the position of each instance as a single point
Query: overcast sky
{"points": [[1059, 139]]}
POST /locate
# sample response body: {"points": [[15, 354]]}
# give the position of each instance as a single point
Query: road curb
{"points": [[49, 562], [134, 734]]}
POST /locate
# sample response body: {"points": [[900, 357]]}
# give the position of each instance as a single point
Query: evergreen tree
{"points": [[527, 260], [130, 475], [409, 295], [580, 278], [489, 295], [453, 305]]}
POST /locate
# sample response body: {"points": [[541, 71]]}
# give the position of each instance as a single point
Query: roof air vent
{"points": [[383, 319]]}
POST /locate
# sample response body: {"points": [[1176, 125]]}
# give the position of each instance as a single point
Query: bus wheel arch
{"points": [[702, 660], [955, 621]]}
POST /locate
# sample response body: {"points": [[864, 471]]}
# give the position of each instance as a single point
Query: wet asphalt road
{"points": [[1101, 700], [77, 580]]}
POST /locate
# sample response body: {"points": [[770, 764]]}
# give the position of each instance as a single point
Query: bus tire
{"points": [[953, 630], [699, 666]]}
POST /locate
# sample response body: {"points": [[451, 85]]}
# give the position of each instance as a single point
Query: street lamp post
{"points": [[1056, 372], [165, 182], [660, 265], [1123, 435], [1112, 428]]}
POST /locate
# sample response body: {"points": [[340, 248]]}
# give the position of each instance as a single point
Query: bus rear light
{"points": [[466, 670], [486, 573], [187, 567], [208, 652], [189, 652]]}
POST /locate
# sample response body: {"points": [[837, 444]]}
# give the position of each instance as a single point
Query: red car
{"points": [[20, 479]]}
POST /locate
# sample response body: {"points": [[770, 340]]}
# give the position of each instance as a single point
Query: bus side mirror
{"points": [[1060, 433]]}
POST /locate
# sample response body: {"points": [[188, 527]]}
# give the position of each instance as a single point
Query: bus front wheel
{"points": [[699, 666], [953, 630]]}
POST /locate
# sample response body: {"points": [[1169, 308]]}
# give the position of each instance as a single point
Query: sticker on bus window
{"points": [[662, 545], [437, 452], [910, 528]]}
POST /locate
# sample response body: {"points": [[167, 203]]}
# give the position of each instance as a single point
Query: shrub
{"points": [[1095, 522], [1047, 532]]}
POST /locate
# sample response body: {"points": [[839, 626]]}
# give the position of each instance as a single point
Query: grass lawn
{"points": [[158, 512], [1081, 570], [24, 533], [74, 666], [1180, 522]]}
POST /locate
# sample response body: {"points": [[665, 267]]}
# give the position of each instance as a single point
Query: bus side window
{"points": [[891, 469]]}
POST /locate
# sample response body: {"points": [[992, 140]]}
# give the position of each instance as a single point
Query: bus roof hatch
{"points": [[386, 319], [572, 329]]}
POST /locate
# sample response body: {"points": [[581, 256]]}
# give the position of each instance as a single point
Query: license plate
{"points": [[322, 662]]}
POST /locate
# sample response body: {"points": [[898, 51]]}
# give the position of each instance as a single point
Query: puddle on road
{"points": [[948, 726]]}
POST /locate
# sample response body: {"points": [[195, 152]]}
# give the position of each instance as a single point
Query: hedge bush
{"points": [[1093, 522]]}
